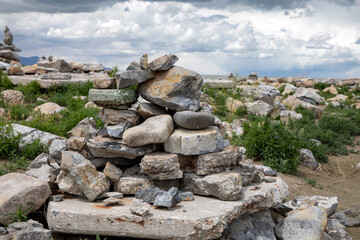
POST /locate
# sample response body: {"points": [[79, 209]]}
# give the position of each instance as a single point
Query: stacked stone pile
{"points": [[9, 59]]}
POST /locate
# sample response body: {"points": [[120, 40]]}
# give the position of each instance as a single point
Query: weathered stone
{"points": [[268, 171], [92, 105], [14, 70], [259, 108], [187, 163], [8, 37], [308, 96], [269, 180], [19, 189], [167, 199], [161, 166], [104, 83], [348, 218], [131, 184], [114, 117], [144, 62], [89, 67], [329, 203], [148, 195], [46, 173], [112, 201], [247, 171], [13, 97], [67, 184], [57, 198], [56, 76], [194, 120], [147, 110], [27, 230], [259, 177], [29, 69], [193, 221], [154, 130], [59, 64], [222, 83], [75, 143], [306, 224], [9, 47], [177, 89], [286, 207], [87, 128], [258, 226], [226, 186], [217, 162], [113, 97], [42, 159], [163, 63], [292, 102], [338, 98], [49, 108], [140, 207], [233, 104], [56, 147], [186, 196], [91, 182], [115, 131], [307, 159], [76, 66], [194, 142], [110, 195], [10, 55], [331, 89], [134, 66], [286, 114], [336, 230], [112, 172], [115, 148], [30, 135], [132, 77]]}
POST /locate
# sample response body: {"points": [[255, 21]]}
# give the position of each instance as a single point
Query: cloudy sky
{"points": [[305, 38]]}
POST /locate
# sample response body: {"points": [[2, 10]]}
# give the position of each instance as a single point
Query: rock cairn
{"points": [[9, 59]]}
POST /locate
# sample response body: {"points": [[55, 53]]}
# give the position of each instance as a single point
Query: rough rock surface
{"points": [[161, 166], [56, 147], [19, 189], [177, 89], [258, 226], [329, 203], [132, 77], [29, 135], [258, 108], [348, 218], [193, 221], [336, 230], [247, 171], [217, 162], [104, 83], [226, 186], [67, 184], [58, 64], [194, 120], [112, 172], [140, 207], [307, 159], [194, 142], [168, 198], [163, 63], [113, 97], [13, 97], [49, 108], [154, 130], [114, 116], [116, 148], [26, 230], [116, 131], [304, 224], [131, 184], [147, 110]]}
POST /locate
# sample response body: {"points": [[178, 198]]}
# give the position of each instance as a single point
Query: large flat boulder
{"points": [[113, 97], [203, 218], [19, 189], [177, 89]]}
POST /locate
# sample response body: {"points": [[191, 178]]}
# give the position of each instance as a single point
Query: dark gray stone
{"points": [[116, 131], [268, 171], [186, 196], [348, 218], [29, 230], [147, 110], [148, 195], [56, 147], [177, 89], [194, 120], [247, 171], [336, 230], [167, 199], [286, 207], [132, 77], [133, 66], [307, 159], [163, 63], [9, 55]]}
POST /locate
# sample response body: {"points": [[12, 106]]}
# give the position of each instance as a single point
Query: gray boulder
{"points": [[30, 230], [194, 120], [60, 64], [348, 218], [140, 207], [161, 166], [116, 131], [114, 116], [132, 77], [163, 63], [56, 147], [307, 159], [258, 108], [10, 55], [167, 199], [177, 89], [148, 195], [147, 110], [336, 230], [308, 96], [89, 67]]}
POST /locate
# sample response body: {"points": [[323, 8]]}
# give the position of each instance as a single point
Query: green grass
{"points": [[312, 182]]}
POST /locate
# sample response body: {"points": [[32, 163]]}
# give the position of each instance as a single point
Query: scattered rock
{"points": [[42, 159], [86, 128], [217, 162], [47, 173], [331, 89], [268, 171], [140, 207], [329, 203], [161, 166], [309, 223], [194, 120], [148, 195], [336, 230], [177, 89], [113, 97], [114, 117], [308, 96], [57, 198], [259, 108], [89, 67], [104, 83], [56, 147], [348, 218], [226, 186], [59, 64], [110, 195], [247, 171], [286, 207], [75, 143], [27, 230], [286, 114], [49, 108], [13, 97], [112, 201], [15, 70], [132, 77], [233, 104], [338, 98], [19, 189], [115, 131], [10, 55], [154, 130], [194, 142], [167, 199], [67, 184], [163, 63], [307, 159], [147, 110]]}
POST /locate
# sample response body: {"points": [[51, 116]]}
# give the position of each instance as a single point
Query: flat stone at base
{"points": [[190, 220], [112, 97]]}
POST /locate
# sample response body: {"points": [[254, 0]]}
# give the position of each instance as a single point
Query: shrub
{"points": [[31, 91], [5, 82], [321, 86], [272, 143], [9, 141], [113, 71], [32, 150]]}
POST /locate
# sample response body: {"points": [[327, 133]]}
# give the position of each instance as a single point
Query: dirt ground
{"points": [[338, 177]]}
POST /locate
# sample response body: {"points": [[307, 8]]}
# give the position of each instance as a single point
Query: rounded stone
{"points": [[194, 120]]}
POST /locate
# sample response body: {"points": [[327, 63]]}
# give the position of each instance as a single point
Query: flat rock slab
{"points": [[219, 83], [113, 97], [29, 135], [197, 219]]}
